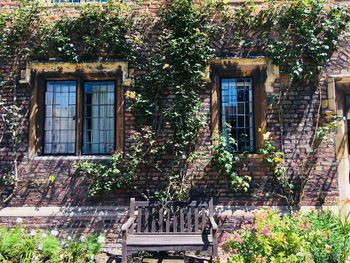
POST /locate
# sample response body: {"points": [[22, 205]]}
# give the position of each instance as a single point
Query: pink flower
{"points": [[227, 235], [238, 238], [240, 241], [264, 232]]}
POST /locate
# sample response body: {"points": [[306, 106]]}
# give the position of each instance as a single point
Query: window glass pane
{"points": [[99, 117], [237, 111], [60, 117]]}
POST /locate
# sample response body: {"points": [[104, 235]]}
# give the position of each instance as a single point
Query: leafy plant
{"points": [[328, 237], [20, 245], [275, 159], [324, 131], [317, 237], [226, 159]]}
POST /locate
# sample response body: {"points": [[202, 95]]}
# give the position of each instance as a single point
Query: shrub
{"points": [[328, 237], [319, 237], [20, 245]]}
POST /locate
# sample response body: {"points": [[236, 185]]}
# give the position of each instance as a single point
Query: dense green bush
{"points": [[319, 237], [20, 245]]}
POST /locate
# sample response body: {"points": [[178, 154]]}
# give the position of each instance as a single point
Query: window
{"points": [[76, 108], [237, 111], [62, 118], [98, 131], [238, 97]]}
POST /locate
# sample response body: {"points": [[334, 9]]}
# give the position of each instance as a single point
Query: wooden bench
{"points": [[169, 226]]}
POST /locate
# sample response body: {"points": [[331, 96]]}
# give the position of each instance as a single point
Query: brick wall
{"points": [[70, 190]]}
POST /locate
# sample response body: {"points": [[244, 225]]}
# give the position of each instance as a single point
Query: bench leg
{"points": [[215, 250], [124, 254]]}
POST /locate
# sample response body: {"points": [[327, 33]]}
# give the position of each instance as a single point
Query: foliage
{"points": [[12, 117], [299, 36], [328, 237], [323, 132], [226, 160], [119, 172], [20, 245], [104, 176], [175, 68], [18, 29], [275, 159], [96, 33], [318, 237]]}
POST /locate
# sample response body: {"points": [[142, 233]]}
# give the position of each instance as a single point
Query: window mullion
{"points": [[79, 117]]}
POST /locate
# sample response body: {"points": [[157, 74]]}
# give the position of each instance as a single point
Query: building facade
{"points": [[78, 111]]}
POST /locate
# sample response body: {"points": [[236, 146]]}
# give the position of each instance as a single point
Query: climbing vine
{"points": [[227, 160], [170, 56]]}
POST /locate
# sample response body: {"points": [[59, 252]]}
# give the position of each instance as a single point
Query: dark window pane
{"points": [[99, 117], [237, 110], [60, 117]]}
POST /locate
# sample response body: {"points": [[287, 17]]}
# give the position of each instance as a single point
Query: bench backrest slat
{"points": [[203, 218], [167, 224], [161, 211], [171, 217], [182, 221], [146, 225]]}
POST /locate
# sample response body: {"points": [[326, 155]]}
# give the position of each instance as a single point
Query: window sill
{"points": [[71, 158], [251, 155]]}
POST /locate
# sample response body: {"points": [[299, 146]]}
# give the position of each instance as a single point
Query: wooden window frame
{"points": [[37, 107], [256, 69]]}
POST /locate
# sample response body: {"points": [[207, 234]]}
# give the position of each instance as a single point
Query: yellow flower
{"points": [[225, 2], [277, 159], [196, 6], [328, 248], [130, 94], [266, 135], [166, 66]]}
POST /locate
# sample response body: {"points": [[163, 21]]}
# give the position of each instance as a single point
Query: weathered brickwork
{"points": [[70, 189]]}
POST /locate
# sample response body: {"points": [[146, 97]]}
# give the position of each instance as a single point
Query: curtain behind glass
{"points": [[99, 117]]}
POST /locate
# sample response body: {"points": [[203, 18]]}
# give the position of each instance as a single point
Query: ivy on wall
{"points": [[170, 55]]}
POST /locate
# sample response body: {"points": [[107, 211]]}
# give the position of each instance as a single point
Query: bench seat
{"points": [[159, 240]]}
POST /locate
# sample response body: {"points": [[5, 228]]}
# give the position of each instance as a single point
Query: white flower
{"points": [[101, 239], [82, 238], [19, 220], [54, 233], [69, 238], [32, 232], [61, 257]]}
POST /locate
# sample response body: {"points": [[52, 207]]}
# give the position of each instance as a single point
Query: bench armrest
{"points": [[213, 224], [127, 225]]}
